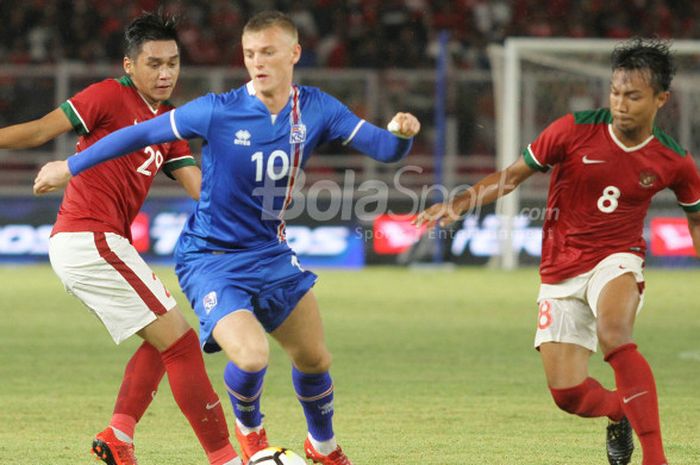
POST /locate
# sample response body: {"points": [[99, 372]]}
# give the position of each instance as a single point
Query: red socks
{"points": [[589, 399], [142, 376], [196, 397], [635, 398], [190, 386], [636, 389]]}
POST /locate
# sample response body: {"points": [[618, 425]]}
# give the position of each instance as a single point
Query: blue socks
{"points": [[315, 393], [244, 389]]}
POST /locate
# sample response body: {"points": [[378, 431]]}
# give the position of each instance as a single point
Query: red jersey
{"points": [[600, 190], [107, 197]]}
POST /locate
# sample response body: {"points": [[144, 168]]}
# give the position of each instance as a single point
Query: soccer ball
{"points": [[276, 456]]}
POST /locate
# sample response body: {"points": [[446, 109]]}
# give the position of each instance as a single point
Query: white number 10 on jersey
{"points": [[274, 173]]}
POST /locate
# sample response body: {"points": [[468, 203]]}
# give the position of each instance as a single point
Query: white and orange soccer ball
{"points": [[276, 456]]}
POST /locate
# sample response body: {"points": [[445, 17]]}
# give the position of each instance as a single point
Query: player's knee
{"points": [[252, 359], [566, 400], [315, 362], [249, 350], [248, 355], [166, 330], [611, 336], [177, 321]]}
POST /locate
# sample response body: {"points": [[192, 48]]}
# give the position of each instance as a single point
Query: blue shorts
{"points": [[267, 281]]}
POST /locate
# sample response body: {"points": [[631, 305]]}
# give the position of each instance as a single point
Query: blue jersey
{"points": [[251, 161]]}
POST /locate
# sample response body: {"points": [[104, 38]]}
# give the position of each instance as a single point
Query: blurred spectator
{"points": [[334, 33]]}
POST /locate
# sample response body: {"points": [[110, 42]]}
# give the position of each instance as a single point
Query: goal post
{"points": [[537, 80]]}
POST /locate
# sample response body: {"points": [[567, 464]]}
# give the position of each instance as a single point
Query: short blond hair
{"points": [[272, 18]]}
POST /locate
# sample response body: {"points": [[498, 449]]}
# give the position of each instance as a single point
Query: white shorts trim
{"points": [[568, 310], [106, 273]]}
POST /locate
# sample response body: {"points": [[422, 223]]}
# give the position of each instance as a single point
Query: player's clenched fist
{"points": [[404, 125], [53, 175]]}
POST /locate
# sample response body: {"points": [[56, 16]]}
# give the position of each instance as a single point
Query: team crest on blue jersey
{"points": [[210, 301], [242, 137], [298, 134]]}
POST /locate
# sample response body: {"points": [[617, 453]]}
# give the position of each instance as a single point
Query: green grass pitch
{"points": [[430, 368]]}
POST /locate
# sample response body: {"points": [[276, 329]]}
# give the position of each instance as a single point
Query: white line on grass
{"points": [[693, 355]]}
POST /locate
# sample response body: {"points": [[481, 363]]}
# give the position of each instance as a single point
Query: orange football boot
{"points": [[337, 457], [251, 443], [113, 451]]}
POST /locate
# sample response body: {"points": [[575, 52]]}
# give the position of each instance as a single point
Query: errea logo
{"points": [[242, 137]]}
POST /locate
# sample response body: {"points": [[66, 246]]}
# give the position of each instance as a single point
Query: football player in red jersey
{"points": [[90, 246], [606, 166]]}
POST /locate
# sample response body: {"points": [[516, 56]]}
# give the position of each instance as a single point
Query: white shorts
{"points": [[568, 310], [108, 275]]}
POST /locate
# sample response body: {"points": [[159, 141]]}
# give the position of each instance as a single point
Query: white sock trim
{"points": [[247, 429], [122, 436], [324, 447]]}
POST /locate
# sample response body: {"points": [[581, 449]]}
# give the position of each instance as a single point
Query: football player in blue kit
{"points": [[232, 260]]}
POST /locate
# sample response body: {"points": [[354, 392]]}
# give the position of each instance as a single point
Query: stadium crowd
{"points": [[335, 33]]}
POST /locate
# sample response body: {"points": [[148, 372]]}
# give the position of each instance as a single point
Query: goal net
{"points": [[538, 80]]}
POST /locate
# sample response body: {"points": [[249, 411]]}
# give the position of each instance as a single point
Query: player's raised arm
{"points": [[484, 192], [186, 122], [56, 174], [36, 132], [388, 145], [384, 145]]}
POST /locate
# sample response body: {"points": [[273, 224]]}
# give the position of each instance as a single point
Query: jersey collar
{"points": [[251, 91], [251, 88], [623, 146], [150, 107], [128, 82]]}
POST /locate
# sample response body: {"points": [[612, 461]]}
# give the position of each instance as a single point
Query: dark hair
{"points": [[149, 26], [640, 54], [270, 18]]}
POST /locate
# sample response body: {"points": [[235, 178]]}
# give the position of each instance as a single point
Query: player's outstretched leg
{"points": [[315, 393], [636, 388], [197, 399], [591, 399], [619, 442], [244, 389], [142, 376]]}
